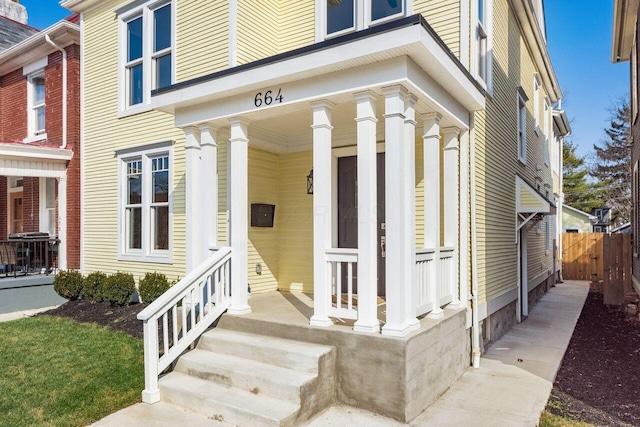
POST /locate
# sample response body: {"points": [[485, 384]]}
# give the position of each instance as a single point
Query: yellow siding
{"points": [[444, 17], [527, 199], [297, 24], [497, 164], [258, 33], [202, 45], [263, 241], [295, 244], [571, 219], [104, 133]]}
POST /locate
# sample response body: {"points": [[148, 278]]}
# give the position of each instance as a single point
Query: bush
{"points": [[152, 286], [93, 287], [68, 284], [119, 288]]}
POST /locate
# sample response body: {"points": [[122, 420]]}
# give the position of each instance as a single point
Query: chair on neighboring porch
{"points": [[8, 258]]}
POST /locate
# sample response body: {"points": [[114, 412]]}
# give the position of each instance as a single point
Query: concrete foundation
{"points": [[501, 321], [27, 293], [395, 377]]}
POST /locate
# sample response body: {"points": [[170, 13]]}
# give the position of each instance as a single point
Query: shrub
{"points": [[93, 287], [152, 286], [68, 284], [119, 288]]}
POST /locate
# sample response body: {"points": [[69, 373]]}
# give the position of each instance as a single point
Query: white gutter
{"points": [[64, 90], [475, 307]]}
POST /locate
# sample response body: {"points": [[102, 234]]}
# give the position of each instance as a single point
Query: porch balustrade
{"points": [[447, 286], [435, 272], [342, 304]]}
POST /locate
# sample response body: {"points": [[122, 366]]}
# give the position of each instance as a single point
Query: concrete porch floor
{"points": [[511, 387]]}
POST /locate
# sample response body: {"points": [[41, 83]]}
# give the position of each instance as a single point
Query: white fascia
{"points": [[34, 152], [412, 41]]}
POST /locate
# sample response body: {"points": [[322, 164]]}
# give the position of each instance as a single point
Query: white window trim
{"points": [[12, 187], [362, 18], [521, 127], [44, 217], [547, 130], [125, 15], [34, 134], [146, 253], [487, 29], [536, 102]]}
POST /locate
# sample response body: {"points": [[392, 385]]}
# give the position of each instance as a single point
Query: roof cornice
{"points": [[35, 46], [537, 46], [78, 5], [625, 13]]}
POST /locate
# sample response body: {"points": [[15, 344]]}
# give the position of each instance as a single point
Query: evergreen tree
{"points": [[612, 163], [579, 192]]}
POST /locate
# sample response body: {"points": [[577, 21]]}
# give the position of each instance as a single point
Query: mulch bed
{"points": [[599, 380], [117, 318]]}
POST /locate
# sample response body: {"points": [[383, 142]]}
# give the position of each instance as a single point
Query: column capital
{"points": [[192, 137], [395, 89], [431, 117], [207, 127], [365, 95], [239, 121], [410, 101], [322, 104], [451, 137], [366, 106], [451, 130], [239, 129], [208, 135]]}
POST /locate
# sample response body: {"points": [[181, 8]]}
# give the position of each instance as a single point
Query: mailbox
{"points": [[262, 214]]}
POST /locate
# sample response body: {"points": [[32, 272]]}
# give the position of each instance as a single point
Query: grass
{"points": [[551, 420], [57, 372]]}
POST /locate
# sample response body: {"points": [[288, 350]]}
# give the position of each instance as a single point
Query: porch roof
{"points": [[410, 37]]}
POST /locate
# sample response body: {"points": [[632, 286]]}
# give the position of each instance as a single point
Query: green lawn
{"points": [[57, 372], [551, 420]]}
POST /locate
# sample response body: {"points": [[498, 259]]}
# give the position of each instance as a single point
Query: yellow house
{"points": [[577, 221], [390, 165]]}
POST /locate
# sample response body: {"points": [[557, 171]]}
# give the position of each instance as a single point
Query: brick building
{"points": [[40, 130]]}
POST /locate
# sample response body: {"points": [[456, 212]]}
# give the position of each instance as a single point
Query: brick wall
{"points": [[13, 104]]}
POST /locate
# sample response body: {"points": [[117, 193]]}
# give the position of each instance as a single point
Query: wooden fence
{"points": [[599, 257]]}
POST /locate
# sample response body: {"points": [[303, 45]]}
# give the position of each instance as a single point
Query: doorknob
{"points": [[383, 243]]}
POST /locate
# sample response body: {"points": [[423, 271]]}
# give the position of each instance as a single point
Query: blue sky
{"points": [[579, 41]]}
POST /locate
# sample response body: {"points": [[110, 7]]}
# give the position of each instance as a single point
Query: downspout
{"points": [[475, 322], [64, 90]]}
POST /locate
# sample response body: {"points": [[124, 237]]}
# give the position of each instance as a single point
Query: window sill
{"points": [[147, 259], [132, 111], [522, 161], [35, 138]]}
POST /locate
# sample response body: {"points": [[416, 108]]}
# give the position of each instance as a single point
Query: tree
{"points": [[579, 192], [612, 163]]}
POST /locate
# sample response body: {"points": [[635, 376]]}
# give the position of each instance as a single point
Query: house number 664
{"points": [[268, 98]]}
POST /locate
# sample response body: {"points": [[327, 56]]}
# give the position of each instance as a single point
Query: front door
{"points": [[348, 214], [15, 214]]}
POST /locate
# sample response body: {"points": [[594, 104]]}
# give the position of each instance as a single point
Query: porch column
{"points": [[238, 215], [193, 198], [209, 144], [431, 189], [398, 208], [451, 196], [62, 221], [367, 214], [321, 211], [410, 195]]}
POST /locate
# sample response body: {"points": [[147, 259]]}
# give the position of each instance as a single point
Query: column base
{"points": [[320, 321], [373, 328], [150, 397], [239, 310], [414, 324], [436, 313], [396, 330], [455, 305]]}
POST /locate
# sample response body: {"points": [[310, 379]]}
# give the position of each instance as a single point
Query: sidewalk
{"points": [[515, 377], [510, 388]]}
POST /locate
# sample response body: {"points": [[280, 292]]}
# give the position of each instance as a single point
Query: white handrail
{"points": [[201, 297]]}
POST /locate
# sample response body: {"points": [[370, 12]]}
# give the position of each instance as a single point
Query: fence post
{"points": [[151, 392]]}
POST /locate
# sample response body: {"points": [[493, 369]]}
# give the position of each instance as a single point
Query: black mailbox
{"points": [[262, 214]]}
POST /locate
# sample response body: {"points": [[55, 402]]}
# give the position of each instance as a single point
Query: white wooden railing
{"points": [[439, 273], [176, 319], [341, 304]]}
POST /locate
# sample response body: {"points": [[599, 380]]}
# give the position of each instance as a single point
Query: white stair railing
{"points": [[337, 259], [182, 314], [446, 275], [426, 278]]}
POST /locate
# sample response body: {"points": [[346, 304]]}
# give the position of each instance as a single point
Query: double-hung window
{"points": [[522, 127], [547, 130], [536, 102], [147, 44], [344, 16], [36, 101], [483, 42], [145, 204]]}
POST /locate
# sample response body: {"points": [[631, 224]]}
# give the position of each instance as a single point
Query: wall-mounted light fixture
{"points": [[310, 182]]}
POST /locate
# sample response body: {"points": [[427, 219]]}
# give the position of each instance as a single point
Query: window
{"points": [[145, 216], [344, 16], [522, 127], [547, 235], [547, 130], [48, 205], [146, 52], [536, 102], [483, 48], [36, 102]]}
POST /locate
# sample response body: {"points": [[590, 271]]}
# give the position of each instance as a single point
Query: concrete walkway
{"points": [[510, 388]]}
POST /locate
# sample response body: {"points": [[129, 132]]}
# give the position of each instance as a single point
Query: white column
{"points": [[398, 209], [209, 144], [367, 214], [193, 198], [321, 211], [238, 213], [451, 196], [62, 222], [431, 189], [463, 254], [410, 196]]}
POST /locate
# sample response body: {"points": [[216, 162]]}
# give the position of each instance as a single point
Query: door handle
{"points": [[383, 243]]}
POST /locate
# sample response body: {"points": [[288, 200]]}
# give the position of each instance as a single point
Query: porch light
{"points": [[310, 182]]}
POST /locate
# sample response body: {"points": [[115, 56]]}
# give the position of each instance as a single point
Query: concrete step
{"points": [[249, 375], [228, 404], [266, 349]]}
